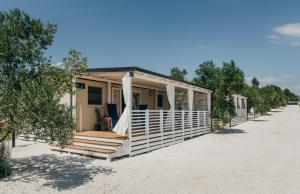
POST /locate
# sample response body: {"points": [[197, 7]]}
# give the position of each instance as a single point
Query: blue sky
{"points": [[263, 37]]}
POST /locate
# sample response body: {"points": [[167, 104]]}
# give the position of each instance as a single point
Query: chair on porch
{"points": [[113, 113], [143, 106]]}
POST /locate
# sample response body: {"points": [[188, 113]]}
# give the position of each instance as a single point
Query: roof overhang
{"points": [[141, 76]]}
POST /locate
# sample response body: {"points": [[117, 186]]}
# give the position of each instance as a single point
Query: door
{"points": [[116, 99], [136, 100]]}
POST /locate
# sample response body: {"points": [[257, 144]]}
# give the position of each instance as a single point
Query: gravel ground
{"points": [[260, 156]]}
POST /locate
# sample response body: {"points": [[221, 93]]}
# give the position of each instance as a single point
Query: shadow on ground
{"points": [[259, 120], [230, 131], [267, 114], [276, 111], [61, 173]]}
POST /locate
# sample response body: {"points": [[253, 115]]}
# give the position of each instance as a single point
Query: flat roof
{"points": [[134, 68]]}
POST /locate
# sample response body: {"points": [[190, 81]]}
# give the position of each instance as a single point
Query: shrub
{"points": [[5, 168]]}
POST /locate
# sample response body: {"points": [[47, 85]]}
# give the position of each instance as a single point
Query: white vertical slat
{"points": [[147, 126], [173, 123], [182, 123], [204, 119], [191, 122], [198, 121], [161, 119]]}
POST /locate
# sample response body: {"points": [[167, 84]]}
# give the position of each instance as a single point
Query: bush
{"points": [[5, 168]]}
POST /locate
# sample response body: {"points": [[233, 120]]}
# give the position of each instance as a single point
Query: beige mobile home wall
{"points": [[85, 114]]}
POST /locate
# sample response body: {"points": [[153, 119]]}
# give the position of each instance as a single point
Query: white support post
{"points": [[246, 109], [190, 102], [235, 104], [191, 122], [161, 116], [73, 102], [129, 132], [182, 123], [173, 122], [208, 102], [204, 119], [198, 119], [147, 126]]}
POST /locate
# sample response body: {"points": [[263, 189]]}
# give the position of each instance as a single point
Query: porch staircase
{"points": [[105, 145]]}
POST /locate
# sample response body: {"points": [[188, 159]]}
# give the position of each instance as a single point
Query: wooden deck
{"points": [[101, 134]]}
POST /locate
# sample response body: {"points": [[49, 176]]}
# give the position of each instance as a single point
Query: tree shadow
{"points": [[61, 173], [230, 131], [24, 145], [276, 111], [267, 114]]}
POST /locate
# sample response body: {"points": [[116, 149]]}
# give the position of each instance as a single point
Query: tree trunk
{"points": [[13, 138], [4, 137]]}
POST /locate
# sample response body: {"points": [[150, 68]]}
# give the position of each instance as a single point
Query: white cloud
{"points": [[292, 29], [287, 34]]}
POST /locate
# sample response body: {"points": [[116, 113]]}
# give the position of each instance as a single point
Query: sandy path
{"points": [[259, 156]]}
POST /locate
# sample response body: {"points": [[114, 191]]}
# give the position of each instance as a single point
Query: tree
{"points": [[178, 74], [225, 82], [253, 96], [290, 96], [207, 75], [30, 85], [255, 82]]}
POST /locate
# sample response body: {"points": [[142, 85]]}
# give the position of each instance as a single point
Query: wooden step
{"points": [[101, 134], [90, 149], [93, 142], [100, 139], [97, 144]]}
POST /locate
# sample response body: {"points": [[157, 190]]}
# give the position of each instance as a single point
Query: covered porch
{"points": [[152, 110]]}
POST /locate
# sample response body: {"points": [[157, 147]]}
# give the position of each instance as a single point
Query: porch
{"points": [[150, 110]]}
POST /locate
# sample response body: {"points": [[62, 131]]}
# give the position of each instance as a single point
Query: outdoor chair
{"points": [[113, 113]]}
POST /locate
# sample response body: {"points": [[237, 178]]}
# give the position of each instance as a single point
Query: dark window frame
{"points": [[90, 101]]}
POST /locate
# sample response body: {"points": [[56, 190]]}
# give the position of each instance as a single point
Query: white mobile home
{"points": [[146, 110]]}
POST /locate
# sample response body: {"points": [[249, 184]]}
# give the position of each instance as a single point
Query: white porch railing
{"points": [[154, 129], [241, 117]]}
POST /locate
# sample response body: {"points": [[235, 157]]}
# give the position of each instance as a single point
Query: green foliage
{"points": [[30, 85], [265, 98], [233, 78], [225, 81], [255, 82], [5, 167], [290, 96], [178, 74], [208, 75]]}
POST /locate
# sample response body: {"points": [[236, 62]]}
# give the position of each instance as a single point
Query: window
{"points": [[160, 101], [94, 96]]}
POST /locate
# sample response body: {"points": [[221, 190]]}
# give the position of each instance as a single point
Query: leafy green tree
{"points": [[255, 82], [208, 75], [30, 85], [290, 96], [225, 82], [178, 74]]}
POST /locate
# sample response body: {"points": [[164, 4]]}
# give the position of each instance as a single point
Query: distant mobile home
{"points": [[240, 103]]}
